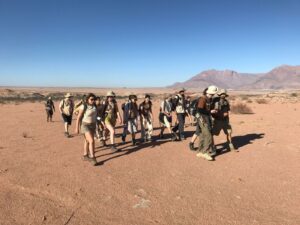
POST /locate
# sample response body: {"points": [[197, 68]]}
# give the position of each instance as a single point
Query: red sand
{"points": [[44, 181]]}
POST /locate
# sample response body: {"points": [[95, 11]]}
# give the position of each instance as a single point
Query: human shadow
{"points": [[129, 149], [238, 142]]}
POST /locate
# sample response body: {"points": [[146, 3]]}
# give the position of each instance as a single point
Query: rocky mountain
{"points": [[283, 77]]}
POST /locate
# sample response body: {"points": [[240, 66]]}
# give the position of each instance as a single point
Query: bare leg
{"points": [[112, 133], [91, 143]]}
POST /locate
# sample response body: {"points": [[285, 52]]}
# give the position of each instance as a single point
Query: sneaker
{"points": [[208, 157], [200, 155], [149, 139], [191, 145]]}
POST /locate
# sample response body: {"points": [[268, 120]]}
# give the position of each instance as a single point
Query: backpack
{"points": [[193, 106], [174, 102]]}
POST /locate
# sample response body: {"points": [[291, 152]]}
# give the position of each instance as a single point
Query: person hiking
{"points": [[125, 128], [193, 111], [165, 117], [146, 118], [179, 107], [131, 117], [66, 108], [221, 118], [100, 126], [203, 116], [111, 114], [50, 108], [86, 124], [188, 103]]}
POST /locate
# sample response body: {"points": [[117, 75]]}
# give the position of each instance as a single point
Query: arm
{"points": [[78, 121], [119, 115], [61, 107]]}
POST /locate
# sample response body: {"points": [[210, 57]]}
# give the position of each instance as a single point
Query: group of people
{"points": [[97, 119]]}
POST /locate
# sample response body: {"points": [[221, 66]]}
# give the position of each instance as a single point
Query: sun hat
{"points": [[110, 94], [68, 95], [222, 92], [212, 90]]}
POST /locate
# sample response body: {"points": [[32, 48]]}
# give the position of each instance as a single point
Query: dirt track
{"points": [[44, 181]]}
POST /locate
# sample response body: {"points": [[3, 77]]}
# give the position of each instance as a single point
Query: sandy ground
{"points": [[44, 180]]}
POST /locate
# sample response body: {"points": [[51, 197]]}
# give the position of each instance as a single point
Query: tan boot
{"points": [[208, 157]]}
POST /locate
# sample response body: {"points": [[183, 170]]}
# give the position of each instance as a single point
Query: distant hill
{"points": [[283, 77]]}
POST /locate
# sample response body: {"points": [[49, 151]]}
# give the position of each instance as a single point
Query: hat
{"points": [[222, 92], [49, 98], [182, 90], [132, 97], [212, 90], [110, 94], [68, 95]]}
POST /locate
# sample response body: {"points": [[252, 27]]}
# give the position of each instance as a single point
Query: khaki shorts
{"points": [[88, 128], [219, 125]]}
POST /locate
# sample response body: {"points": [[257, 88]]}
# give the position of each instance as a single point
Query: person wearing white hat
{"points": [[203, 115], [50, 108], [66, 108], [221, 118]]}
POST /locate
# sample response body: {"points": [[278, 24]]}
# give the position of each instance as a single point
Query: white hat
{"points": [[110, 94], [68, 95], [212, 90]]}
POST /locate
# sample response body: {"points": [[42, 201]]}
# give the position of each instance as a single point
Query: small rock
{"points": [[44, 218], [238, 197], [141, 193], [144, 203]]}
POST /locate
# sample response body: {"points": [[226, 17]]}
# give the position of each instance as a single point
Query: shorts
{"points": [[67, 119], [88, 128], [219, 125], [109, 119], [132, 126], [166, 121], [49, 112]]}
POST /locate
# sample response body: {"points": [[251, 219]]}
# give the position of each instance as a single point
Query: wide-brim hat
{"points": [[110, 94], [222, 92], [212, 90], [68, 95]]}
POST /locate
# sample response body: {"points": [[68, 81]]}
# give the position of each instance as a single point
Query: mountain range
{"points": [[282, 77]]}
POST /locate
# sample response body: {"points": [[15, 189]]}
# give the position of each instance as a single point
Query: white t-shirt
{"points": [[90, 115]]}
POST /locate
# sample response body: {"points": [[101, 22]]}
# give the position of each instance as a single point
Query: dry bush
{"points": [[261, 101], [241, 108], [249, 101], [294, 95]]}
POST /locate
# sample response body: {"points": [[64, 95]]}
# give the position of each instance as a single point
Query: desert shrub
{"points": [[249, 101], [241, 108], [261, 101], [294, 95], [244, 97]]}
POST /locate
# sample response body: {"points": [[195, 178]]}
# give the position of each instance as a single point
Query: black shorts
{"points": [[67, 119], [49, 112]]}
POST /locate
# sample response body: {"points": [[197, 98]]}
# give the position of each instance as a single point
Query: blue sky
{"points": [[139, 43]]}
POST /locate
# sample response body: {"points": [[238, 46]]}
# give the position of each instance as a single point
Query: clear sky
{"points": [[131, 43]]}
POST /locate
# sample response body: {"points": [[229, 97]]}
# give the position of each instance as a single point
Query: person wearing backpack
{"points": [[165, 117], [203, 116], [100, 121], [179, 108], [86, 124], [131, 117], [111, 115], [125, 128], [66, 108], [50, 108], [221, 118], [78, 104], [146, 117]]}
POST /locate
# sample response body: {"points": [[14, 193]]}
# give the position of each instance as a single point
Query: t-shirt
{"points": [[67, 107], [222, 106], [131, 110], [90, 115], [146, 109], [204, 105]]}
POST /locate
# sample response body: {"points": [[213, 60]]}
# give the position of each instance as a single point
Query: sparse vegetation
{"points": [[241, 108], [261, 101], [294, 95]]}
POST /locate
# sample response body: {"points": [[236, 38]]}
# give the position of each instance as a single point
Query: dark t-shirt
{"points": [[222, 106]]}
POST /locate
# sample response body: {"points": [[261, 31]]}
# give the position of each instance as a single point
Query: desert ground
{"points": [[44, 180]]}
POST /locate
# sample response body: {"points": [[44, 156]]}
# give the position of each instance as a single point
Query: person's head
{"points": [[98, 101], [182, 91], [147, 98], [110, 96], [68, 96], [211, 91], [132, 98], [223, 93], [90, 99]]}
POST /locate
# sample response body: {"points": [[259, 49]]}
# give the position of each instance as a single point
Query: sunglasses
{"points": [[92, 99]]}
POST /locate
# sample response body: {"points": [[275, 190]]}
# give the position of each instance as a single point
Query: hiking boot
{"points": [[191, 145], [67, 134], [182, 137], [205, 156], [93, 161], [85, 158]]}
